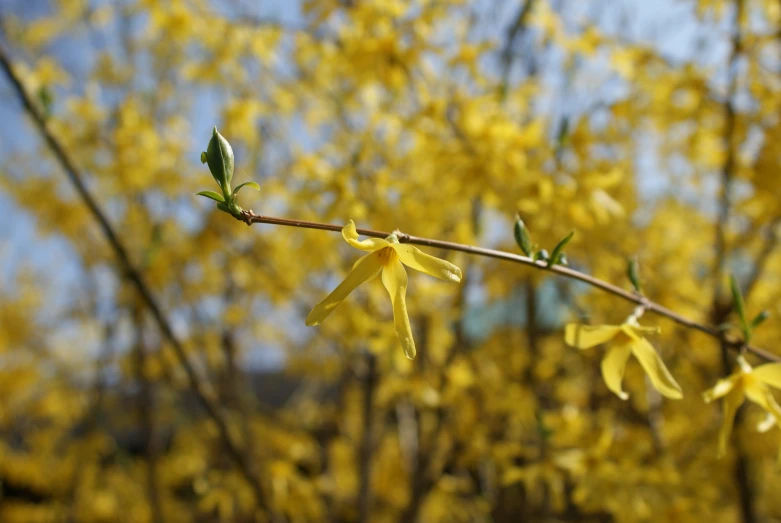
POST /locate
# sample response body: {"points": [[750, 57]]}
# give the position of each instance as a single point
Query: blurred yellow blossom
{"points": [[398, 114], [751, 383], [627, 339]]}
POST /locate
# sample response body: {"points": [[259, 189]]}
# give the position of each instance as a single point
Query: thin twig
{"points": [[764, 255], [145, 408], [728, 168], [134, 276], [249, 218], [367, 439], [515, 31], [721, 310]]}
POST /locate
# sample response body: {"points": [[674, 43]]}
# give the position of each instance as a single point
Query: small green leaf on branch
{"points": [[522, 237], [254, 185], [633, 273], [213, 195], [558, 250]]}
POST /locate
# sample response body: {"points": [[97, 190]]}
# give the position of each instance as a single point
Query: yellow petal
{"points": [[761, 395], [416, 259], [394, 277], [365, 269], [732, 402], [639, 331], [653, 365], [769, 373], [350, 235], [359, 260], [722, 388], [613, 365], [587, 336]]}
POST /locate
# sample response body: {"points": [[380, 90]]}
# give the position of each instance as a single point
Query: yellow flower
{"points": [[386, 257], [750, 383], [627, 339]]}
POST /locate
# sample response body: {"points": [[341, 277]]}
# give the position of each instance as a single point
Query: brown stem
{"points": [[212, 409], [744, 490], [532, 331], [367, 439], [249, 218], [761, 262], [515, 31], [721, 310], [146, 419]]}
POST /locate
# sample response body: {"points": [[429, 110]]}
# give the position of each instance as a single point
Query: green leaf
{"points": [[213, 195], [522, 236], [557, 251], [759, 319], [737, 301], [633, 273], [248, 184]]}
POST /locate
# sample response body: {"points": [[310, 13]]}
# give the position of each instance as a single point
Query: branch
{"points": [[761, 262], [134, 276], [249, 218], [721, 311], [513, 32], [145, 410], [728, 168], [367, 439]]}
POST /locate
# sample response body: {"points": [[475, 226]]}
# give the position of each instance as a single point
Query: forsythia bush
{"points": [[495, 391]]}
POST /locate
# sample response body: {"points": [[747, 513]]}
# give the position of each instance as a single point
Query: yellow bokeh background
{"points": [[652, 131]]}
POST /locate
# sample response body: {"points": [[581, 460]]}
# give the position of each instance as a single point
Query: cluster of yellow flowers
{"points": [[628, 339], [387, 257], [400, 114]]}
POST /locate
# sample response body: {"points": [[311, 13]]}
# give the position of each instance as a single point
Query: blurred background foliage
{"points": [[652, 128]]}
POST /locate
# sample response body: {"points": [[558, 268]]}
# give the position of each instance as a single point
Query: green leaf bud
{"points": [[522, 236], [219, 156], [633, 273]]}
